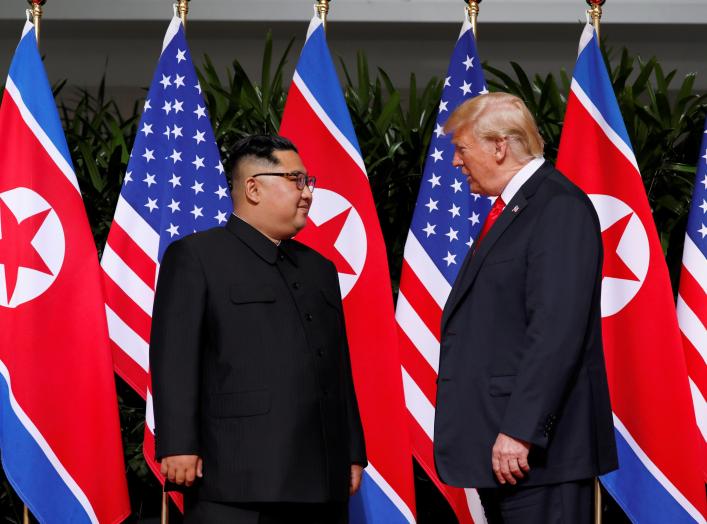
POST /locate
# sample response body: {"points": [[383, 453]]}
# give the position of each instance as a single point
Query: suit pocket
{"points": [[502, 385], [251, 293], [491, 261], [241, 404]]}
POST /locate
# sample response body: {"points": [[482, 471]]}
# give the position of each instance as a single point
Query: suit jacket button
{"points": [[296, 285], [309, 317], [320, 352]]}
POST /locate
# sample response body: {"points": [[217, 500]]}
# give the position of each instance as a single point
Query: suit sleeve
{"points": [[357, 450], [175, 352], [563, 264]]}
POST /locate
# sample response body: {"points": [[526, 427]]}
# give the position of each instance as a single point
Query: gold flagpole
{"points": [[472, 10], [36, 10], [322, 7], [595, 12], [182, 9]]}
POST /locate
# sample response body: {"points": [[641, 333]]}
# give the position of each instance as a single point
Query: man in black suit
{"points": [[253, 395], [523, 410]]}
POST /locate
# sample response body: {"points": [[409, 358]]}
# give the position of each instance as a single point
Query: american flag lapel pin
{"points": [[515, 209]]}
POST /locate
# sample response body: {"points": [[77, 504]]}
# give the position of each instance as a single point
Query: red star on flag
{"points": [[323, 237], [614, 266], [16, 249]]}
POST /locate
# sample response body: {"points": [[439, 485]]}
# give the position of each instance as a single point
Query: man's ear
{"points": [[500, 149], [252, 190]]}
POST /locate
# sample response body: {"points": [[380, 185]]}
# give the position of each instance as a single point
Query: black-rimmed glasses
{"points": [[301, 179]]}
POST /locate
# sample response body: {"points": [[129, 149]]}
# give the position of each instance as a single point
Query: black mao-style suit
{"points": [[521, 350], [250, 368]]}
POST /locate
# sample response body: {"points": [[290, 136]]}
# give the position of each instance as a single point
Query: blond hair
{"points": [[495, 116]]}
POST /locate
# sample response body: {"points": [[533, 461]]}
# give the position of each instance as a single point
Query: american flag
{"points": [[175, 185], [692, 298], [446, 221]]}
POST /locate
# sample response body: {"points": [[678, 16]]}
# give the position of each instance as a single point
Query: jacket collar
{"points": [[475, 257], [259, 243]]}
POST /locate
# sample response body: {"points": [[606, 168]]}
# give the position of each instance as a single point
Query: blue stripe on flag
{"points": [[26, 72], [639, 493], [316, 69], [372, 506], [29, 471], [592, 76]]}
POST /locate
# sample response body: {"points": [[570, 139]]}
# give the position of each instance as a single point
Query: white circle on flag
{"points": [[632, 249], [351, 243], [47, 247]]}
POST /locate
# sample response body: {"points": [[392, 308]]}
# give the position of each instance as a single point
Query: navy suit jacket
{"points": [[521, 350]]}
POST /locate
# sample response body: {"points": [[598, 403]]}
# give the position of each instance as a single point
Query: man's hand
{"points": [[355, 483], [182, 469], [509, 458]]}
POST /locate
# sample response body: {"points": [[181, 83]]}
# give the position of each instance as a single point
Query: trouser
{"points": [[206, 512], [564, 503]]}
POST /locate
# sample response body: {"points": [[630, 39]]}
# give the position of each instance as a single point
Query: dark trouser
{"points": [[206, 512], [565, 503]]}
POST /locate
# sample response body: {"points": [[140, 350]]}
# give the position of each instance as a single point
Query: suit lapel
{"points": [[475, 258]]}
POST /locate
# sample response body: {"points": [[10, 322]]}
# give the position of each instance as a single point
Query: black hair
{"points": [[257, 146]]}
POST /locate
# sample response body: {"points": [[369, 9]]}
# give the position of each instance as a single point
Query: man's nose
{"points": [[307, 194], [456, 160]]}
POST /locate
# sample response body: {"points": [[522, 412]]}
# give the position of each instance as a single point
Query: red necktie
{"points": [[496, 210]]}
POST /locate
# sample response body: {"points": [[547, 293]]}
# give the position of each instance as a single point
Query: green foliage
{"points": [[100, 139]]}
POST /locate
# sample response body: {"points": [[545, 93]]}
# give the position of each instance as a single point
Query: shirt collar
{"points": [[259, 243], [520, 178]]}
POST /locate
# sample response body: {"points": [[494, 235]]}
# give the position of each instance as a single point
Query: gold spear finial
{"points": [[322, 7], [472, 10], [36, 10], [595, 12], [183, 10]]}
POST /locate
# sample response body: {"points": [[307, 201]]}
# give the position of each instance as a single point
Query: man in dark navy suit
{"points": [[253, 394], [523, 411]]}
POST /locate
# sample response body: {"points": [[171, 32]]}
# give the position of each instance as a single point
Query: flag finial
{"points": [[183, 10], [322, 7], [595, 12], [36, 10], [472, 10]]}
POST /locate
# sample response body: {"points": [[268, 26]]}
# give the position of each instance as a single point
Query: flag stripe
{"points": [[694, 261], [422, 265], [693, 295], [127, 309], [53, 493], [128, 251], [140, 231], [598, 117], [426, 307], [49, 144], [38, 106], [124, 276], [321, 113], [695, 365], [692, 328], [416, 330], [129, 370], [127, 340], [646, 482], [418, 405], [417, 367], [700, 408]]}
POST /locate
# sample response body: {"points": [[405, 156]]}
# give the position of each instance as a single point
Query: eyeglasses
{"points": [[301, 179]]}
